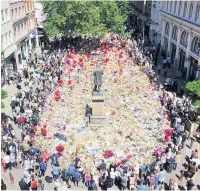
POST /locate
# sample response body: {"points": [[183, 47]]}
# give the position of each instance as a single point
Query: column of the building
{"points": [[162, 31], [187, 61], [169, 40], [30, 45], [177, 46]]}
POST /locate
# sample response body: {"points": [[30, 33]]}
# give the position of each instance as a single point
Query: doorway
{"points": [[181, 61], [173, 53]]}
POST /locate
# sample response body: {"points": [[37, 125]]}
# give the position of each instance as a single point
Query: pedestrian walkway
{"points": [[171, 72]]}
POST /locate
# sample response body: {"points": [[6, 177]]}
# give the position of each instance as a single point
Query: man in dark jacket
{"points": [[190, 184], [23, 185]]}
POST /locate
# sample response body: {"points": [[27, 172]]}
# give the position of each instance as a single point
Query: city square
{"points": [[100, 95]]}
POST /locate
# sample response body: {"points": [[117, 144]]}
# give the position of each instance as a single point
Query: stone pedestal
{"points": [[98, 114]]}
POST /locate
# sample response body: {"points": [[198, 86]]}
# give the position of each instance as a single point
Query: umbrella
{"points": [[60, 148], [20, 120]]}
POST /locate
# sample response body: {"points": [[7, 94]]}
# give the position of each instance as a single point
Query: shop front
{"points": [[193, 68], [11, 66]]}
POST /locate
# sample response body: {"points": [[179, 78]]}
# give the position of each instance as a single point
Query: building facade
{"points": [[140, 16], [24, 29], [178, 32], [8, 63]]}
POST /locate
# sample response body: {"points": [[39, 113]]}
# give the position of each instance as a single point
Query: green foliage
{"points": [[2, 105], [90, 18], [4, 94], [193, 88]]}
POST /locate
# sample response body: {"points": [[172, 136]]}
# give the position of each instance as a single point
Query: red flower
{"points": [[44, 131], [60, 82], [60, 148], [20, 120]]}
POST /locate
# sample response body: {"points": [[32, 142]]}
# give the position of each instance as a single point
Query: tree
{"points": [[193, 88], [4, 94], [90, 18]]}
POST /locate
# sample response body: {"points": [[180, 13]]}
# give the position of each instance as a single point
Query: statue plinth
{"points": [[98, 113]]}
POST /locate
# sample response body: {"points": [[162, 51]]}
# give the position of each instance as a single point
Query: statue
{"points": [[97, 78]]}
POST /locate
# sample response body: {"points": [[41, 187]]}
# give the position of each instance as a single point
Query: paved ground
{"points": [[18, 173]]}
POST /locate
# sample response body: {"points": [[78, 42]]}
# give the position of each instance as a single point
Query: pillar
{"points": [[169, 40], [177, 46], [162, 32], [37, 41], [30, 45], [187, 63]]}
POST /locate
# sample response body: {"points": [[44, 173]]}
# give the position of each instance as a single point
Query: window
{"points": [[171, 6], [6, 15], [2, 42], [167, 5], [2, 16], [191, 11], [184, 39], [6, 40], [20, 12], [175, 5], [167, 28], [185, 9], [16, 13], [165, 43], [197, 13], [12, 14], [15, 35], [175, 33], [180, 7], [195, 46], [18, 32], [10, 38]]}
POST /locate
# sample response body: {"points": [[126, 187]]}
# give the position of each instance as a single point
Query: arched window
{"points": [[180, 8], [167, 29], [197, 13], [184, 38], [185, 9], [175, 5], [175, 33], [195, 46], [191, 11]]}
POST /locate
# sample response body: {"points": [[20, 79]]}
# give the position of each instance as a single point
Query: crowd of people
{"points": [[41, 77]]}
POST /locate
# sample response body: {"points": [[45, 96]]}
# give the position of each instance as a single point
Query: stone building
{"points": [[176, 26]]}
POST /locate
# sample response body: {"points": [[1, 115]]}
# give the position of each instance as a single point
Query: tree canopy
{"points": [[90, 18], [193, 88]]}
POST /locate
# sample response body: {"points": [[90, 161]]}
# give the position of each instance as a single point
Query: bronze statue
{"points": [[98, 72]]}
